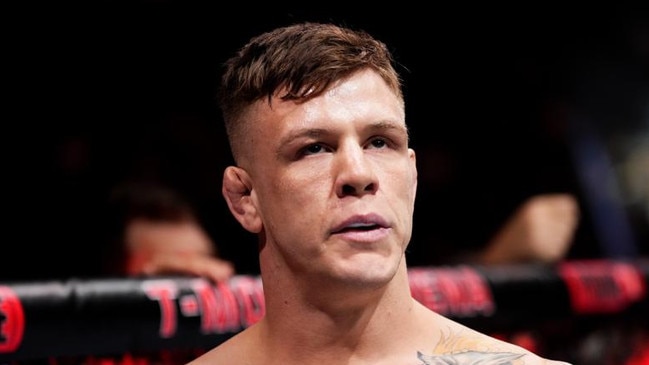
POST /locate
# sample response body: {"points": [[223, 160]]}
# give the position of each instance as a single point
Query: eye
{"points": [[313, 149], [378, 143]]}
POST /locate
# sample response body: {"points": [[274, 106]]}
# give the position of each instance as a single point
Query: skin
{"points": [[541, 230], [156, 247], [336, 294]]}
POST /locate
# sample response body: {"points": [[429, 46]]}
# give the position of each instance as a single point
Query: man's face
{"points": [[334, 182]]}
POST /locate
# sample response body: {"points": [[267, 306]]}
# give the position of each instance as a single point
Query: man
{"points": [[325, 177], [153, 230]]}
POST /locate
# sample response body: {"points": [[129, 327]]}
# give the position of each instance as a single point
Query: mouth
{"points": [[358, 227], [361, 223]]}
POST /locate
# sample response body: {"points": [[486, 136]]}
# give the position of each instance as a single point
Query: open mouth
{"points": [[359, 227]]}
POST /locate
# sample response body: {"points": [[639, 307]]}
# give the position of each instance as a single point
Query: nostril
{"points": [[348, 189]]}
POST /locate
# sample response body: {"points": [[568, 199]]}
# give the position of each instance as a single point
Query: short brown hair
{"points": [[304, 60]]}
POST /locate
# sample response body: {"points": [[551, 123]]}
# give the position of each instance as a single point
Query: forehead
{"points": [[356, 101], [363, 95]]}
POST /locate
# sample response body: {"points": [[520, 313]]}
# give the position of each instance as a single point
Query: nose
{"points": [[355, 175]]}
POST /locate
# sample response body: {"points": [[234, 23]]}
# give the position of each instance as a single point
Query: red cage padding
{"points": [[105, 317]]}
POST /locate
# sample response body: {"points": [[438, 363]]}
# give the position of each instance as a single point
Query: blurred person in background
{"points": [[155, 231]]}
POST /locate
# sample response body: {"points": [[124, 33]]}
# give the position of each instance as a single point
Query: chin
{"points": [[369, 274]]}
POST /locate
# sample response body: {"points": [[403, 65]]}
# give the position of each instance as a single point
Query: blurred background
{"points": [[503, 103]]}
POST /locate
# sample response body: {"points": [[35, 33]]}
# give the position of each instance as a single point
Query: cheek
{"points": [[404, 182], [302, 198], [290, 196], [304, 181]]}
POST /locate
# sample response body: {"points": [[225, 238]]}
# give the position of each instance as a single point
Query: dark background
{"points": [[106, 91]]}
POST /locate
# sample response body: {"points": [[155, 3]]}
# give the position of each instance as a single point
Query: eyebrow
{"points": [[315, 133], [388, 125], [303, 133]]}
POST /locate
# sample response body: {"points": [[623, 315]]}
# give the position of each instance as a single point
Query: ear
{"points": [[413, 161], [237, 191]]}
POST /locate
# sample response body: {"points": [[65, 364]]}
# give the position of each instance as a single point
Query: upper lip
{"points": [[361, 221]]}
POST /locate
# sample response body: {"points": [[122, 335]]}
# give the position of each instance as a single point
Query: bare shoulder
{"points": [[470, 348], [459, 344]]}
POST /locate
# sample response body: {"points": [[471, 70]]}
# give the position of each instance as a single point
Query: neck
{"points": [[337, 319]]}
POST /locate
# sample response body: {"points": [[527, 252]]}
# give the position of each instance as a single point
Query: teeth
{"points": [[360, 225]]}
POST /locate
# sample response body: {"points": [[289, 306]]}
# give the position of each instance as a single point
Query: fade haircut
{"points": [[301, 61]]}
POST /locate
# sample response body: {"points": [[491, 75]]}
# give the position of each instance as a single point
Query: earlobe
{"points": [[237, 191]]}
